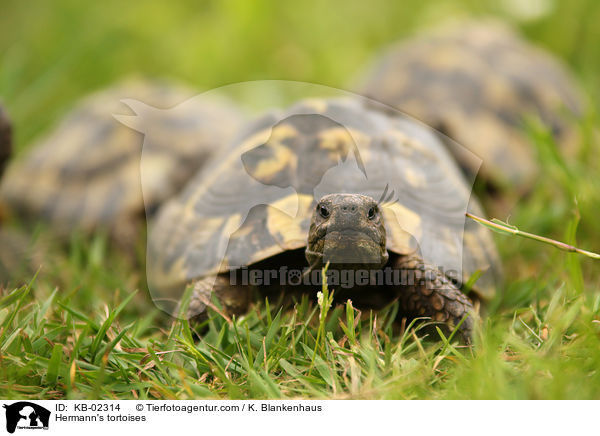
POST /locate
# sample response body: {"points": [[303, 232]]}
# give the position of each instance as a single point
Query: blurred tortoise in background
{"points": [[14, 244], [5, 147], [5, 139], [5, 152], [86, 173], [478, 83], [315, 184]]}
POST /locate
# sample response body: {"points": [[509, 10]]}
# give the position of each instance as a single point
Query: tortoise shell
{"points": [[86, 173], [257, 202], [478, 83]]}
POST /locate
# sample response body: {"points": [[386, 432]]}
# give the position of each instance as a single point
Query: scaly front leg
{"points": [[429, 293], [234, 299]]}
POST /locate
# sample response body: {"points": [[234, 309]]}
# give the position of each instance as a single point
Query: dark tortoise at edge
{"points": [[5, 139], [85, 174], [12, 244], [479, 82], [326, 181]]}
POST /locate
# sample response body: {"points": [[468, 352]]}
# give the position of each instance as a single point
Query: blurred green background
{"points": [[54, 52]]}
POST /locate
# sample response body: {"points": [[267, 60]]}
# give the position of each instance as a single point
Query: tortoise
{"points": [[5, 146], [478, 83], [5, 152], [325, 182], [86, 175], [5, 139], [14, 244]]}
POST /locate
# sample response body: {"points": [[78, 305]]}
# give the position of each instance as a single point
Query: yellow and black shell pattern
{"points": [[479, 83], [5, 139], [87, 172], [257, 202]]}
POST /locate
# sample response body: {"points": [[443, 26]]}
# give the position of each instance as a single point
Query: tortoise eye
{"points": [[323, 211], [371, 214]]}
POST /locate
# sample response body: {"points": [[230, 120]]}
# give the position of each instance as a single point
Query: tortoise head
{"points": [[347, 230]]}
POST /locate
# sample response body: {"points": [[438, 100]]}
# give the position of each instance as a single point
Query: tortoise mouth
{"points": [[348, 246], [351, 234]]}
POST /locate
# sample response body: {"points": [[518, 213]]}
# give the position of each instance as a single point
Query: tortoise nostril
{"points": [[349, 209]]}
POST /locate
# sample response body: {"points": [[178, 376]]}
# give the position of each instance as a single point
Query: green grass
{"points": [[542, 340], [81, 330]]}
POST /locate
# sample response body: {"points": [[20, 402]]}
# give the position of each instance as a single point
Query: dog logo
{"points": [[26, 415]]}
